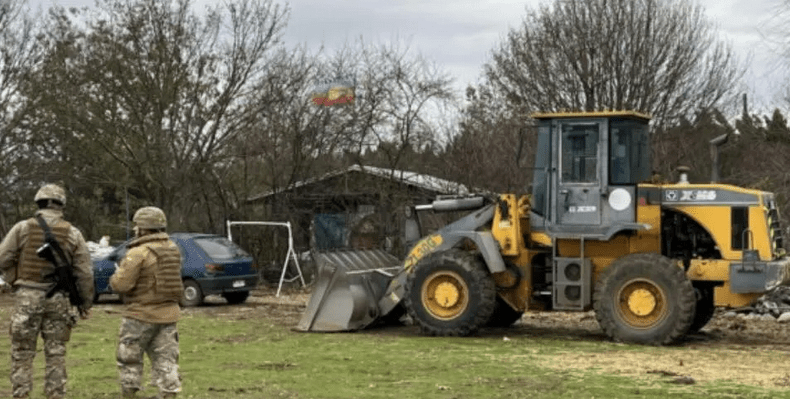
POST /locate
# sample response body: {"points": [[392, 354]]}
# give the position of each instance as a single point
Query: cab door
{"points": [[578, 199]]}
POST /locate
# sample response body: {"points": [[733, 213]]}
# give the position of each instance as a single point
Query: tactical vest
{"points": [[168, 275], [31, 266], [164, 281]]}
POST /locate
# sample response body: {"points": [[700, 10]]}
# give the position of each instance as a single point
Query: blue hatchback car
{"points": [[210, 264]]}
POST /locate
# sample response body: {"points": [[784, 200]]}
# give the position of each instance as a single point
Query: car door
{"points": [[104, 268]]}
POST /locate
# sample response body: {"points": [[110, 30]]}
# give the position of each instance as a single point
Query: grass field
{"points": [[227, 352]]}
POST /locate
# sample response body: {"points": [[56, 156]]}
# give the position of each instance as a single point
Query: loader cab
{"points": [[587, 167]]}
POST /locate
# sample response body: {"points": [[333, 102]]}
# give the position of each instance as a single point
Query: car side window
{"points": [[220, 248]]}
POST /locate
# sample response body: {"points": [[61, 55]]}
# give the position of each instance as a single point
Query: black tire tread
{"points": [[479, 276], [704, 311], [650, 263], [504, 315], [236, 297]]}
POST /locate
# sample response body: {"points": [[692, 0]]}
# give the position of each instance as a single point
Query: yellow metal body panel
{"points": [[718, 221], [718, 270], [709, 270], [540, 239], [762, 238], [648, 240], [424, 246], [518, 296], [723, 296], [603, 253], [506, 229]]}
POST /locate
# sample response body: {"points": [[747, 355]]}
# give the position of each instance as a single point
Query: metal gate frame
{"points": [[290, 254]]}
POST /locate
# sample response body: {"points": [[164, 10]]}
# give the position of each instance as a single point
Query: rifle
{"points": [[62, 275]]}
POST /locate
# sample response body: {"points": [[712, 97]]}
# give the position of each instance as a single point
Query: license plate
{"points": [[238, 283]]}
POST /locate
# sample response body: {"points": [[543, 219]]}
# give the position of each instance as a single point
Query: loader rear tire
{"points": [[450, 293], [644, 298], [704, 310]]}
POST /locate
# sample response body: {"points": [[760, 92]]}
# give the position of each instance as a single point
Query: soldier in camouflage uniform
{"points": [[33, 313], [149, 278]]}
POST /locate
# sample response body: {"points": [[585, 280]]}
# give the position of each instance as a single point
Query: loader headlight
{"points": [[619, 199]]}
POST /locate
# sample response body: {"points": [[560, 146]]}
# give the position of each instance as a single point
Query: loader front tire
{"points": [[644, 298], [504, 315], [450, 293]]}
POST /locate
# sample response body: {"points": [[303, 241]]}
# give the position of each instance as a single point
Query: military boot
{"points": [[128, 393]]}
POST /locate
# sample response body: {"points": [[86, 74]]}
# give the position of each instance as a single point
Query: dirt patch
{"points": [[753, 352], [756, 367]]}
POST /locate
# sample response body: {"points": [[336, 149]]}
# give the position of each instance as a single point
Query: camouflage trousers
{"points": [[51, 318], [160, 342]]}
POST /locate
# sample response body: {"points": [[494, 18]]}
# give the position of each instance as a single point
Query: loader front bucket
{"points": [[348, 289]]}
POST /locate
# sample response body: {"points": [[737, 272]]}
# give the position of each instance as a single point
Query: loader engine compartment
{"points": [[684, 238]]}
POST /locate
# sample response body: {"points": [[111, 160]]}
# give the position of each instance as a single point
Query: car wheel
{"points": [[193, 295], [237, 297]]}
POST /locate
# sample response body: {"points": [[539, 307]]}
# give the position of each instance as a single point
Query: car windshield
{"points": [[220, 248]]}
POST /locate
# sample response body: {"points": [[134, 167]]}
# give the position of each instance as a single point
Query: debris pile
{"points": [[100, 249], [774, 305]]}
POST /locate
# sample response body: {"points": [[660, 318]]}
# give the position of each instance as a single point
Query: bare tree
{"points": [[399, 98], [777, 34], [154, 94], [655, 56], [18, 56], [492, 149], [287, 136], [394, 111]]}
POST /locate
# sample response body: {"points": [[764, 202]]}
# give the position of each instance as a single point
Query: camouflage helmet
{"points": [[150, 218], [51, 192]]}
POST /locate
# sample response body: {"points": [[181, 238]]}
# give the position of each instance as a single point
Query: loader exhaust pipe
{"points": [[715, 143]]}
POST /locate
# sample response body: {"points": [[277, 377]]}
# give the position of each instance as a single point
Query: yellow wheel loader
{"points": [[652, 259]]}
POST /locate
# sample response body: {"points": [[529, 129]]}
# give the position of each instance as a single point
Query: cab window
{"points": [[580, 153]]}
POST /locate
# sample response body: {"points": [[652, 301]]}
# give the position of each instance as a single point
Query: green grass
{"points": [[255, 358]]}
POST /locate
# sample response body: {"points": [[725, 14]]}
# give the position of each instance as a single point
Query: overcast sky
{"points": [[458, 35]]}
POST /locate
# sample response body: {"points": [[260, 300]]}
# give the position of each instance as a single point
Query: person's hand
{"points": [[85, 315]]}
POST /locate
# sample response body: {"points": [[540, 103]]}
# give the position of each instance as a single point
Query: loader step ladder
{"points": [[571, 280], [291, 254]]}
